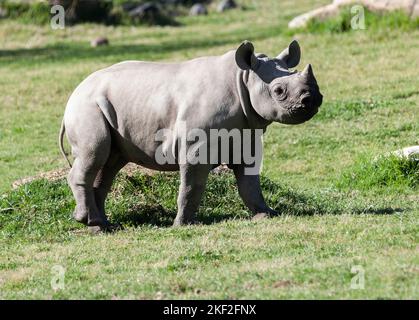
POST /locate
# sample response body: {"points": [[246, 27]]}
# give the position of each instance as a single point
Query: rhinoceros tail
{"points": [[60, 142]]}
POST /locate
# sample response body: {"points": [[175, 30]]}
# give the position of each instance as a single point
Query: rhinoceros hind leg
{"points": [[91, 149], [105, 177], [80, 179]]}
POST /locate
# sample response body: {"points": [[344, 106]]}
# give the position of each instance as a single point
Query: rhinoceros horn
{"points": [[308, 73]]}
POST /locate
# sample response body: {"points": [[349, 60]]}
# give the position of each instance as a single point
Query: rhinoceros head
{"points": [[277, 93]]}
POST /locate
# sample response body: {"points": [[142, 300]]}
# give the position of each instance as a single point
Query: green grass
{"points": [[340, 207], [373, 21], [26, 12], [389, 172], [306, 252], [39, 210]]}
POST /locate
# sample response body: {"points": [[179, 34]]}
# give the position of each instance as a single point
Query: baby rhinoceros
{"points": [[149, 113]]}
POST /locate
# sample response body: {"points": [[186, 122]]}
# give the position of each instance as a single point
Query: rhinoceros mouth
{"points": [[300, 115]]}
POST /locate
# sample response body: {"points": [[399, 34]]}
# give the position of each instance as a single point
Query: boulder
{"points": [[151, 13], [411, 153], [225, 5], [129, 5], [3, 13], [145, 10], [101, 41], [319, 13], [198, 9], [411, 7]]}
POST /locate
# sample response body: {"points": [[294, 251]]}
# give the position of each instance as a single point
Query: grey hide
{"points": [[113, 116]]}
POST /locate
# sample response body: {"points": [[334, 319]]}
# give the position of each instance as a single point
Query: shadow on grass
{"points": [[406, 95], [380, 211], [42, 209], [62, 52], [139, 215], [221, 202], [76, 51], [161, 217]]}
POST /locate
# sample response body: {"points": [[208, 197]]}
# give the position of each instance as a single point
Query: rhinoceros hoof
{"points": [[260, 216], [179, 223], [80, 216], [106, 228], [265, 215]]}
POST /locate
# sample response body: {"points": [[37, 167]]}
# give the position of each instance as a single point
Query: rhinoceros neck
{"points": [[255, 121]]}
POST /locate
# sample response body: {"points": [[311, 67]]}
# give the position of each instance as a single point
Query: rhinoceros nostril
{"points": [[306, 101]]}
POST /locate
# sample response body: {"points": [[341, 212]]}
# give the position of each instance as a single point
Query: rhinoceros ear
{"points": [[245, 56], [291, 55]]}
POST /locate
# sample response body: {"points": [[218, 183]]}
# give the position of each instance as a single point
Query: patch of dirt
{"points": [[282, 284], [14, 276], [52, 175], [130, 169], [222, 169], [58, 174]]}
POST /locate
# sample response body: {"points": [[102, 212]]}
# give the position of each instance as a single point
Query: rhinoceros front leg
{"points": [[251, 193], [193, 179]]}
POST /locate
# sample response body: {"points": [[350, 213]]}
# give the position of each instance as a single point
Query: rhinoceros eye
{"points": [[280, 93]]}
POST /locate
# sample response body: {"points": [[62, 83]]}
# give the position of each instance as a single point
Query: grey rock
{"points": [[146, 9], [3, 13], [198, 9], [225, 5], [411, 153], [101, 41], [410, 7]]}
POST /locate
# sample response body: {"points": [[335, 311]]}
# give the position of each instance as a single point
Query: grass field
{"points": [[341, 209]]}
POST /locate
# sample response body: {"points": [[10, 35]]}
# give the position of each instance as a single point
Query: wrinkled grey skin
{"points": [[112, 118]]}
